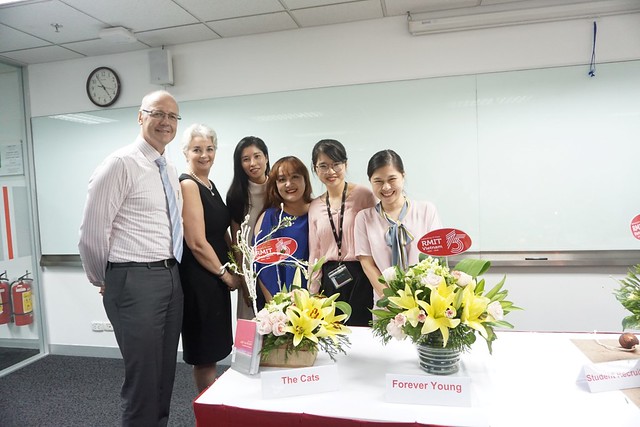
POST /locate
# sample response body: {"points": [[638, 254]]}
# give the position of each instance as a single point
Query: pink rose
{"points": [[495, 310], [462, 279], [389, 274], [395, 330], [400, 319], [279, 329]]}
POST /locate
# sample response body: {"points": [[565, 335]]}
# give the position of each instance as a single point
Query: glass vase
{"points": [[437, 360]]}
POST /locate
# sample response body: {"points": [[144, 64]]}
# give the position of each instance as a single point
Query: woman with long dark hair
{"points": [[288, 196], [247, 196]]}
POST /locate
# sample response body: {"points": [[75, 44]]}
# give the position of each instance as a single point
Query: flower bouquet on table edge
{"points": [[298, 321], [431, 304], [293, 319], [629, 296]]}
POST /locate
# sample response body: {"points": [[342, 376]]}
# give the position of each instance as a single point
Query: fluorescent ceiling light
{"points": [[479, 17], [118, 35], [86, 119]]}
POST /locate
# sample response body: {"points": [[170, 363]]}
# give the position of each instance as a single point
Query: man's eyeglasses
{"points": [[324, 168], [161, 115]]}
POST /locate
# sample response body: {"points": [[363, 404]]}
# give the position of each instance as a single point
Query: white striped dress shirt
{"points": [[125, 216]]}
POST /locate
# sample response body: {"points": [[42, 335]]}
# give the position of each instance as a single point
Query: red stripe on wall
{"points": [[7, 220]]}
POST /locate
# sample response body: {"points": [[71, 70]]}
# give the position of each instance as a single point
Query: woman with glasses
{"points": [[331, 227], [288, 196], [206, 327], [247, 196], [387, 234]]}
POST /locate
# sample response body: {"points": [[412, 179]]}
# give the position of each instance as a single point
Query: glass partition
{"points": [[21, 338]]}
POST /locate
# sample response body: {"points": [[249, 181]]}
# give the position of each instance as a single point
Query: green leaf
{"points": [[497, 288], [344, 307], [473, 267]]}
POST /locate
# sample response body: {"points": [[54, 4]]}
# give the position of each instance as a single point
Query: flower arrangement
{"points": [[249, 252], [629, 296], [293, 319], [298, 321], [432, 305]]}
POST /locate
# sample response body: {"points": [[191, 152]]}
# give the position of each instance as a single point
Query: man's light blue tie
{"points": [[174, 214]]}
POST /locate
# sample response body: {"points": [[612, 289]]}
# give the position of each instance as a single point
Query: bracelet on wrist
{"points": [[222, 271]]}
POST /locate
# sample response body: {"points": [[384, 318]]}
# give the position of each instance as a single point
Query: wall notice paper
{"points": [[11, 159]]}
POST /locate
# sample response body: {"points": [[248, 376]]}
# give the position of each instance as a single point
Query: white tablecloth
{"points": [[530, 380]]}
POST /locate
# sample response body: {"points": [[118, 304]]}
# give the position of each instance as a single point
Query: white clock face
{"points": [[103, 86]]}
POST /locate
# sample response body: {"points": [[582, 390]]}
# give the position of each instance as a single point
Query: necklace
{"points": [[208, 187]]}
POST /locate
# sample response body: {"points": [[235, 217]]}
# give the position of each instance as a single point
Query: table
{"points": [[530, 380]]}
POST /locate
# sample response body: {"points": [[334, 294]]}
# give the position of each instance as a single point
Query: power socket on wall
{"points": [[99, 326]]}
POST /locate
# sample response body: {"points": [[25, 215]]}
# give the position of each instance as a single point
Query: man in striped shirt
{"points": [[127, 251]]}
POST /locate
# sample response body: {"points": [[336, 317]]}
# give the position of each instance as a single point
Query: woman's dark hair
{"points": [[238, 194], [384, 158], [329, 147], [290, 165]]}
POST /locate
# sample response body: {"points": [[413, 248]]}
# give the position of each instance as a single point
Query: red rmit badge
{"points": [[444, 242], [635, 227]]}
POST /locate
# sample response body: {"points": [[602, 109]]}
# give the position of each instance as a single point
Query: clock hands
{"points": [[102, 85]]}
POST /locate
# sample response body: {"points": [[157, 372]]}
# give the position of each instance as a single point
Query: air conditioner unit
{"points": [[118, 35], [479, 17]]}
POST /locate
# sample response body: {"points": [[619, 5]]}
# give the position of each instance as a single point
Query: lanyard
{"points": [[337, 235]]}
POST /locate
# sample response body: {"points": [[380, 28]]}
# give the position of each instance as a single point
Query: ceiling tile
{"points": [[177, 35], [300, 4], [11, 39], [136, 15], [38, 19], [253, 24], [42, 54], [101, 47], [207, 10], [338, 13]]}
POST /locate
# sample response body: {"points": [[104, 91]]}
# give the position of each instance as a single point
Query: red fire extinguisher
{"points": [[22, 300], [5, 299]]}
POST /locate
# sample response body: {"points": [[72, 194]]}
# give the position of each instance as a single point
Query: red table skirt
{"points": [[229, 416]]}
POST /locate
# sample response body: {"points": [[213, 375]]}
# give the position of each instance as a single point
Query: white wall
{"points": [[362, 52]]}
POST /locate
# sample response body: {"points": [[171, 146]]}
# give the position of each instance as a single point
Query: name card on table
{"points": [[608, 376], [428, 390], [299, 381]]}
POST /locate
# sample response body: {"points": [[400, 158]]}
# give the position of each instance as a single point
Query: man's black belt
{"points": [[167, 263]]}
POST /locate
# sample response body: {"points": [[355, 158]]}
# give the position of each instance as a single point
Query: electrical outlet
{"points": [[108, 326], [97, 326]]}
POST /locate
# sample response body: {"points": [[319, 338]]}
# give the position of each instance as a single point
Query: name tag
{"points": [[428, 390], [609, 376], [299, 381]]}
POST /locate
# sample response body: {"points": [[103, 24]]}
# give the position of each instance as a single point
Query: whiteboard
{"points": [[536, 160]]}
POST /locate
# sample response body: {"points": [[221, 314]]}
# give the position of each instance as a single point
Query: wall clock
{"points": [[103, 86]]}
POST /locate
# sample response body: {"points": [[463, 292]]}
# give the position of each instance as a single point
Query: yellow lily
{"points": [[302, 326], [409, 302], [332, 326], [441, 298], [474, 306], [313, 307]]}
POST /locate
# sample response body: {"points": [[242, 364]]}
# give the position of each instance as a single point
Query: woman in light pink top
{"points": [[387, 234], [331, 226]]}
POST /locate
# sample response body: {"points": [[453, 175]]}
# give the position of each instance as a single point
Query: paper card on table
{"points": [[299, 381], [246, 347], [428, 389], [607, 376]]}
